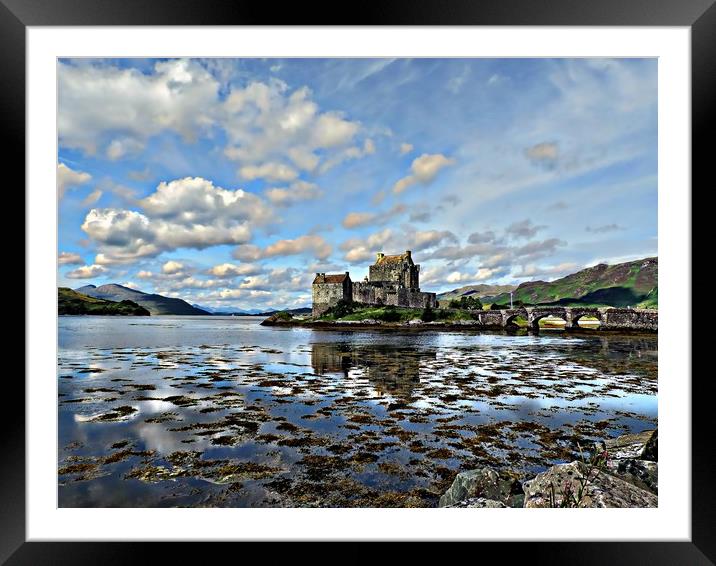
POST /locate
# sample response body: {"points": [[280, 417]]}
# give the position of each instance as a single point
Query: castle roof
{"points": [[400, 258], [323, 278]]}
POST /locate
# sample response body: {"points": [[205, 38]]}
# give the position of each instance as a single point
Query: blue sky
{"points": [[230, 182]]}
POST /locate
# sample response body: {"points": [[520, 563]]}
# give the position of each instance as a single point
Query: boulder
{"points": [[483, 483], [602, 490], [651, 450], [642, 473], [631, 445], [479, 502]]}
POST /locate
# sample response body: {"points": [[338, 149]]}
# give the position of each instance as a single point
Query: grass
{"points": [[397, 314]]}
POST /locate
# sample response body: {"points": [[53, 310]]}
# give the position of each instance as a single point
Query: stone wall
{"points": [[325, 295], [367, 293], [630, 319]]}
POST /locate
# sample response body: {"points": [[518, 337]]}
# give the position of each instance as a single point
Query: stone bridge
{"points": [[609, 318]]}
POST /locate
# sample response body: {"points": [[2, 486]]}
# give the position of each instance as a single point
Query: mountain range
{"points": [[628, 284], [482, 291], [155, 304], [633, 283], [72, 302]]}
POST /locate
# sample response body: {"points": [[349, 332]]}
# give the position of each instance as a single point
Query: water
{"points": [[219, 411]]}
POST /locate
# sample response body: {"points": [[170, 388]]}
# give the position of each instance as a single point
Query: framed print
{"points": [[388, 279]]}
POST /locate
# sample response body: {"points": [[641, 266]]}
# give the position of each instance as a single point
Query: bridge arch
{"points": [[537, 314]]}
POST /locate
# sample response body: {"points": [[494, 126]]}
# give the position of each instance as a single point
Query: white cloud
{"points": [[185, 213], [424, 169], [68, 178], [86, 272], [307, 244], [68, 258], [101, 105], [296, 192], [172, 267], [269, 171], [405, 148], [229, 270], [265, 124], [92, 198]]}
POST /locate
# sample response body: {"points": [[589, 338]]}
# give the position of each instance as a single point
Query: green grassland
{"points": [[630, 284], [72, 302]]}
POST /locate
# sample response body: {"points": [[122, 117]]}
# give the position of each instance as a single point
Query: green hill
{"points": [[630, 284], [482, 292], [72, 302], [155, 304]]}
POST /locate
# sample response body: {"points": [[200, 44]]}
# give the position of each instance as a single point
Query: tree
{"points": [[466, 303]]}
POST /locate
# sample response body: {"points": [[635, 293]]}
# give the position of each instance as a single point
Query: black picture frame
{"points": [[699, 15]]}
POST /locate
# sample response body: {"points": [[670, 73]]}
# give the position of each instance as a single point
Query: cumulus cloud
{"points": [[405, 148], [229, 270], [312, 244], [68, 178], [172, 267], [68, 258], [265, 123], [309, 243], [423, 171], [86, 272], [358, 250], [185, 213], [287, 279], [103, 106], [296, 192], [269, 129]]}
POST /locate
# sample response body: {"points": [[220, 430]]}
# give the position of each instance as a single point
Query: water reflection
{"points": [[217, 412], [391, 370]]}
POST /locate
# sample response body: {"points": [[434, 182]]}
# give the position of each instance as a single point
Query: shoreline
{"points": [[436, 325]]}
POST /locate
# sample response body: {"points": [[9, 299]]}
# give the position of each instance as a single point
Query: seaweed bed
{"points": [[335, 419]]}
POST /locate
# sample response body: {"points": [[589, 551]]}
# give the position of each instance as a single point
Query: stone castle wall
{"points": [[367, 293], [325, 295]]}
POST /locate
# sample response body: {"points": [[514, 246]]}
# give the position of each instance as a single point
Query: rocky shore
{"points": [[415, 324], [621, 472]]}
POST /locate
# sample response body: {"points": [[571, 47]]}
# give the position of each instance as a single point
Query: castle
{"points": [[392, 280]]}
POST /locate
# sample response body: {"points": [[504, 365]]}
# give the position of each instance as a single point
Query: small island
{"points": [[72, 302], [390, 297]]}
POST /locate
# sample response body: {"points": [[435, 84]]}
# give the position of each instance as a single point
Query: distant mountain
{"points": [[226, 311], [629, 284], [155, 304], [72, 302], [250, 312], [483, 292]]}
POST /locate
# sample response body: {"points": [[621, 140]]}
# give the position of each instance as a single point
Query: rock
{"points": [[651, 450], [479, 502], [642, 473], [602, 490], [483, 483], [277, 319], [630, 445], [415, 321]]}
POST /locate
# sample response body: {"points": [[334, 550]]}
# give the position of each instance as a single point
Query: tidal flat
{"points": [[222, 412]]}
